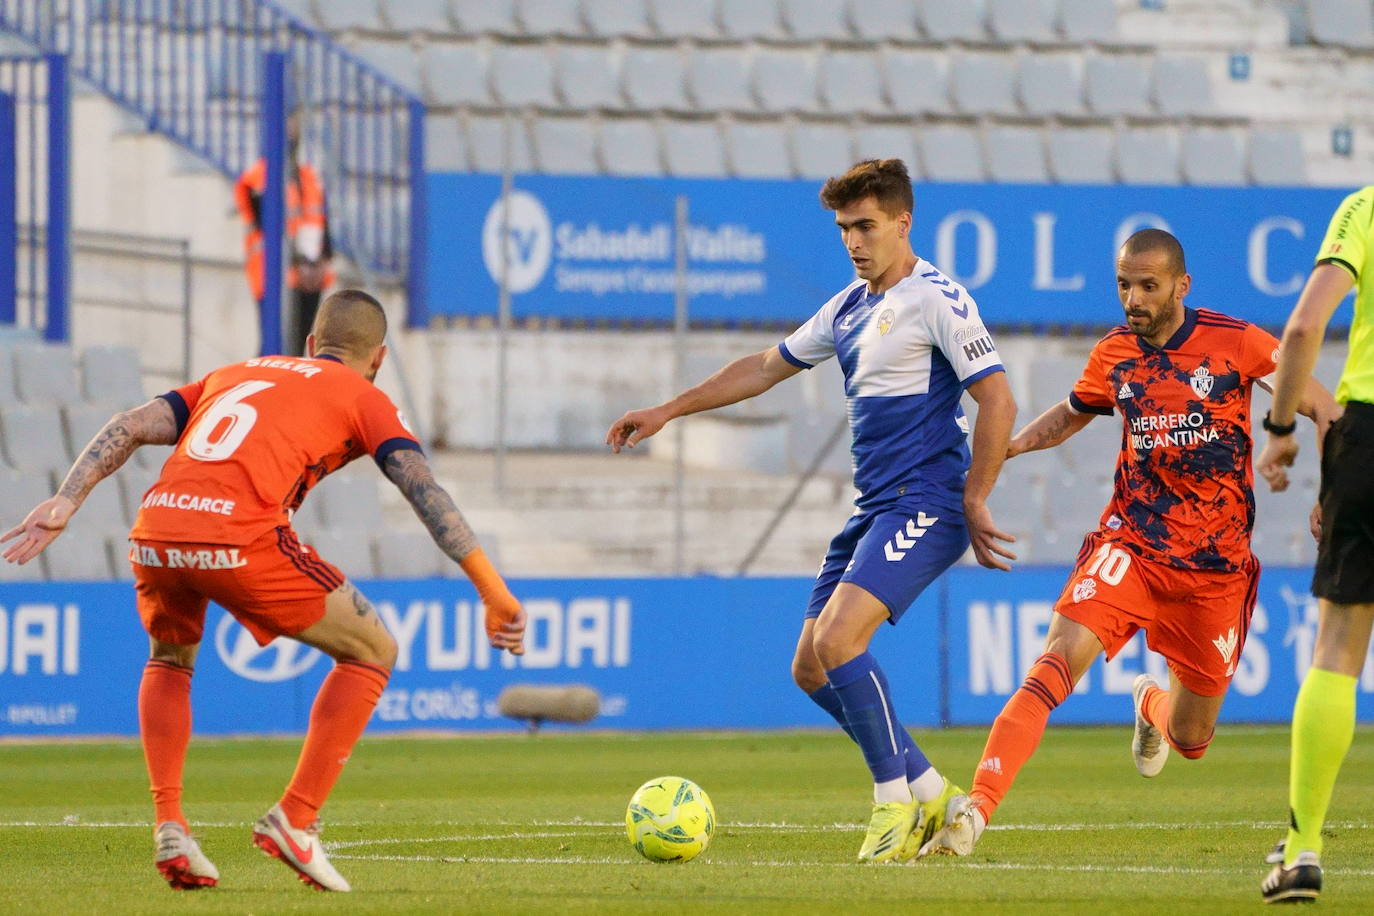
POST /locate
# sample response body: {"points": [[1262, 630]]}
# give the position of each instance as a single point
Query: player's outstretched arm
{"points": [[991, 432], [742, 379], [1049, 429], [153, 423], [410, 472]]}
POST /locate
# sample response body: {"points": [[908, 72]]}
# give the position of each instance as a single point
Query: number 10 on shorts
{"points": [[1110, 564]]}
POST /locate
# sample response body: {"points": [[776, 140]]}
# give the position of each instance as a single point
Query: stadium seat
{"points": [[815, 20], [742, 20], [104, 512], [430, 16], [564, 146], [486, 144], [20, 491], [1343, 23], [1147, 156], [983, 84], [652, 79], [110, 375], [1021, 20], [1212, 156], [132, 481], [1049, 85], [820, 150], [80, 423], [304, 10], [32, 439], [1117, 86], [849, 83], [950, 152], [1181, 87], [456, 74], [586, 77], [540, 18], [884, 20], [408, 555], [916, 81], [616, 18], [522, 75], [1015, 155], [1276, 158], [1017, 502], [45, 375], [8, 392], [677, 19], [152, 457], [117, 549], [349, 551], [479, 17], [886, 141], [718, 80], [348, 501], [32, 571], [398, 62], [758, 150], [945, 22], [630, 147], [784, 81], [693, 149], [1081, 155], [342, 15], [1088, 21], [1053, 378], [1328, 371], [445, 150]]}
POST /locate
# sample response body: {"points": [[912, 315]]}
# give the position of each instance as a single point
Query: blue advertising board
{"points": [[765, 250], [664, 654]]}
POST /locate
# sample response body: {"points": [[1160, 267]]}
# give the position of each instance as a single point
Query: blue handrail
{"points": [[191, 69]]}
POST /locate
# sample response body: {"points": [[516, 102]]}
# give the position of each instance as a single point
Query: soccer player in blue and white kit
{"points": [[910, 341]]}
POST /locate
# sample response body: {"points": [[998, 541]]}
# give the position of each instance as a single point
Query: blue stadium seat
{"points": [[1117, 86], [693, 149], [522, 75], [564, 146], [758, 150], [983, 84], [1342, 23], [562, 18], [815, 20], [1181, 87], [1081, 155], [456, 74], [1015, 154], [486, 144], [677, 19], [784, 81], [884, 20], [586, 77], [430, 16], [916, 81], [820, 150], [616, 18], [1212, 156], [652, 79], [945, 21], [950, 152], [1088, 21], [718, 80], [749, 19], [1276, 157], [630, 146], [1147, 156], [1050, 85], [849, 83], [1021, 20]]}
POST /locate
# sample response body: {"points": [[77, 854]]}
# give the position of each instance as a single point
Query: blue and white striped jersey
{"points": [[907, 355]]}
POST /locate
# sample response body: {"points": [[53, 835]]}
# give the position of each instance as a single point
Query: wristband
{"points": [[483, 575], [1276, 429]]}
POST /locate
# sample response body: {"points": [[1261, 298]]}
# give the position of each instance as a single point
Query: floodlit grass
{"points": [[535, 825]]}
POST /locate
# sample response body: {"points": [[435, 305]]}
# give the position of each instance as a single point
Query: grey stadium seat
{"points": [[586, 77], [1117, 86], [950, 152], [886, 141], [348, 501], [945, 21], [456, 74], [1344, 23], [486, 140], [104, 512], [1015, 155], [477, 17], [45, 375], [445, 150], [522, 75], [133, 481], [80, 423], [550, 17], [758, 150], [110, 375], [718, 80], [1147, 156], [8, 392], [19, 492], [821, 150], [1212, 156], [408, 555], [32, 439], [652, 79], [677, 19], [1081, 155], [350, 551], [418, 16], [616, 18], [693, 149], [784, 81], [1053, 377], [1276, 158], [1050, 85], [849, 82], [341, 15], [1182, 87], [815, 20], [916, 82], [1021, 20], [32, 571], [746, 19], [630, 147], [1088, 21], [884, 20], [397, 61], [564, 146], [983, 84], [80, 555], [301, 9]]}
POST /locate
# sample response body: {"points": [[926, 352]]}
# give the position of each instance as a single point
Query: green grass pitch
{"points": [[518, 824]]}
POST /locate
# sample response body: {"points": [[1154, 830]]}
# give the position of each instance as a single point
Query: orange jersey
{"points": [[255, 437], [1182, 493]]}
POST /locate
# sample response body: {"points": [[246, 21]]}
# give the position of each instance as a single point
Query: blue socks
{"points": [[857, 697]]}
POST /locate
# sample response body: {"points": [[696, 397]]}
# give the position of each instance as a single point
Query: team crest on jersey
{"points": [[1226, 644], [1125, 391], [1201, 381], [885, 321], [1084, 589]]}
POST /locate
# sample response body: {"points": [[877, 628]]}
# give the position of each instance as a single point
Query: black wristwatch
{"points": [[1279, 430]]}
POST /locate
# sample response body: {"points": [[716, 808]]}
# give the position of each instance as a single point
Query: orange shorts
{"points": [[274, 586], [1196, 619]]}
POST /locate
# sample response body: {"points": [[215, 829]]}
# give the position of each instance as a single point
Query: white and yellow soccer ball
{"points": [[670, 819]]}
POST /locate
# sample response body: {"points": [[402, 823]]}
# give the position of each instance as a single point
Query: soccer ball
{"points": [[670, 819]]}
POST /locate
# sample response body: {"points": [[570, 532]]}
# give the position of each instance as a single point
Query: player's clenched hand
{"points": [[39, 529], [1314, 523], [984, 534], [634, 427], [1279, 453], [505, 623]]}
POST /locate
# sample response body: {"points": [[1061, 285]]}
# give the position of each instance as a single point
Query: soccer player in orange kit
{"points": [[251, 439]]}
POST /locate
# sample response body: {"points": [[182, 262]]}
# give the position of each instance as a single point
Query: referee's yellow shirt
{"points": [[1348, 241]]}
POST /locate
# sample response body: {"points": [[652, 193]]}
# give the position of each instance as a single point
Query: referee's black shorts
{"points": [[1345, 557]]}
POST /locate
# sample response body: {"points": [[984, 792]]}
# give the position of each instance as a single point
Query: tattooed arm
{"points": [[1049, 429], [154, 423]]}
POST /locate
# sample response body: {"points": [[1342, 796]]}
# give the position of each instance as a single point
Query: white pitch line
{"points": [[349, 844]]}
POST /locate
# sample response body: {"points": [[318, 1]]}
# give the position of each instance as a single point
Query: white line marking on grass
{"points": [[471, 838]]}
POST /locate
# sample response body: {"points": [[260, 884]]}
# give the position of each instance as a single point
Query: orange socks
{"points": [[1155, 705], [342, 707], [1018, 728], [164, 723]]}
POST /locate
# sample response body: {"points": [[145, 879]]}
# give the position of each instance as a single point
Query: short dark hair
{"points": [[885, 180], [1148, 240]]}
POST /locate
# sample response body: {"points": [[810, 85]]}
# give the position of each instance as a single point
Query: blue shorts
{"points": [[892, 552]]}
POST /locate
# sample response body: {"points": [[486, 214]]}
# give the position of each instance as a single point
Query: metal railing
{"points": [[192, 70]]}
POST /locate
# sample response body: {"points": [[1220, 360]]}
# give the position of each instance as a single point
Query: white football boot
{"points": [[964, 824], [1148, 747], [299, 848], [180, 860]]}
